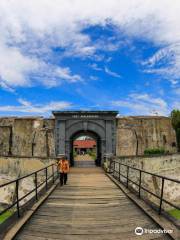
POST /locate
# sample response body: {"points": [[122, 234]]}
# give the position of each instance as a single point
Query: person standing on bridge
{"points": [[63, 166]]}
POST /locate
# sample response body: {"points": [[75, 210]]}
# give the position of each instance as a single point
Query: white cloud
{"points": [[65, 73], [176, 105], [93, 78], [14, 66], [95, 67], [29, 108], [165, 62], [50, 75], [4, 86], [106, 70], [177, 91], [17, 68], [143, 104], [173, 82], [29, 29], [111, 73], [109, 59]]}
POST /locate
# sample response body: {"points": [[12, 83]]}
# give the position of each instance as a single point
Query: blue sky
{"points": [[89, 55]]}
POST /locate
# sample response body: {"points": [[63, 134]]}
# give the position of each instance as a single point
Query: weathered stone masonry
{"points": [[135, 134], [30, 137], [35, 137]]}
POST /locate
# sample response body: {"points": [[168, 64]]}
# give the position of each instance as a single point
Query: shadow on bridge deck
{"points": [[90, 207]]}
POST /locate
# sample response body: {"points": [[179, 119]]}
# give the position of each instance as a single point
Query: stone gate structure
{"points": [[101, 125]]}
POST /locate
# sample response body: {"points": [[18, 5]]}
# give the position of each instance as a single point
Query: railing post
{"points": [[57, 172], [46, 180], [17, 197], [127, 176], [140, 173], [119, 171], [53, 172], [161, 197], [36, 185], [114, 169]]}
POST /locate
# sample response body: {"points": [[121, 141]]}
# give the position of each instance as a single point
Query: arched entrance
{"points": [[101, 125], [85, 149]]}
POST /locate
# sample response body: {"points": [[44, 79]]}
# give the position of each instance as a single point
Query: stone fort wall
{"points": [[34, 136], [29, 137], [135, 134]]}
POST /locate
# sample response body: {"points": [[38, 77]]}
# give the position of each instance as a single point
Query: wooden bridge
{"points": [[90, 207]]}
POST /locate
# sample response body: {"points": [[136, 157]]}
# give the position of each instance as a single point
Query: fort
{"points": [[118, 135], [29, 143]]}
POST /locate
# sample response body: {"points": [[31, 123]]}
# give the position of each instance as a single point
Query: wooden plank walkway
{"points": [[90, 207]]}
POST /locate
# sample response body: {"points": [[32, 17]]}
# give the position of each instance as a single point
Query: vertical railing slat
{"points": [[53, 172], [17, 198], [46, 179], [161, 197], [36, 187], [140, 176], [127, 176]]}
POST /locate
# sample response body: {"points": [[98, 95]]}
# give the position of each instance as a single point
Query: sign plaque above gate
{"points": [[85, 116]]}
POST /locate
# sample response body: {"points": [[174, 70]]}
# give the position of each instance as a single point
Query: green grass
{"points": [[5, 216], [175, 213]]}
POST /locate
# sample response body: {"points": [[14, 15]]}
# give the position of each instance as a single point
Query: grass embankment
{"points": [[5, 215], [175, 213]]}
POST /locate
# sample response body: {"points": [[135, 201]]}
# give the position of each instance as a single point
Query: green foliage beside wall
{"points": [[74, 153], [152, 151], [175, 118], [5, 215], [175, 213]]}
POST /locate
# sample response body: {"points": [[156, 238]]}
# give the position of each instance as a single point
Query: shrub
{"points": [[74, 153], [152, 151], [175, 118]]}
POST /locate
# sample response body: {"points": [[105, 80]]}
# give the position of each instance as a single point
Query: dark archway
{"points": [[94, 136]]}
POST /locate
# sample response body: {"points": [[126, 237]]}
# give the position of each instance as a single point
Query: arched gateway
{"points": [[101, 125]]}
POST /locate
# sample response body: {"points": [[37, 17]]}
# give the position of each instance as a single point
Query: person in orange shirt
{"points": [[63, 166]]}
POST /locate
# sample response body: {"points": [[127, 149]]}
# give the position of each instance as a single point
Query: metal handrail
{"points": [[139, 184], [154, 174], [53, 176]]}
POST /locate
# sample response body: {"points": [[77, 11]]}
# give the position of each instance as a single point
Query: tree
{"points": [[175, 118]]}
